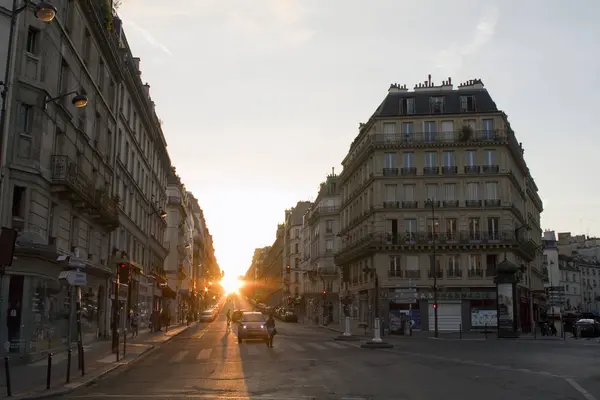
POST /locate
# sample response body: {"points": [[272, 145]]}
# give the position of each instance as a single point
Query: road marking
{"points": [[108, 359], [204, 354], [577, 386], [252, 350], [296, 347], [316, 346], [335, 345], [179, 356]]}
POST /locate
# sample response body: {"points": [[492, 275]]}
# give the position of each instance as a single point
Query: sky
{"points": [[261, 98]]}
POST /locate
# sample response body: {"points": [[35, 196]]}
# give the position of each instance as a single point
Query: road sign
{"points": [[75, 278]]}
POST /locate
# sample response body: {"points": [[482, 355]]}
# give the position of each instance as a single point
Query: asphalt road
{"points": [[206, 362]]}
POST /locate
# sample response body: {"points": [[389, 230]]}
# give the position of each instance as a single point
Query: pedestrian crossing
{"points": [[244, 350]]}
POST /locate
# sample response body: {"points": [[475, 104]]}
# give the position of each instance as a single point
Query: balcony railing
{"points": [[411, 139], [67, 175]]}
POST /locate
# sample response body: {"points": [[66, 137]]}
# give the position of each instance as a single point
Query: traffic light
{"points": [[324, 292], [123, 273], [434, 305], [289, 300], [288, 269]]}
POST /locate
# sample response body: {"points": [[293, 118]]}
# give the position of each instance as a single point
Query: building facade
{"points": [[84, 179], [436, 183], [322, 283], [292, 250], [58, 174], [263, 281]]}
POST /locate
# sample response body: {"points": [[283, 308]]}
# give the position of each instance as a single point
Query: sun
{"points": [[231, 285]]}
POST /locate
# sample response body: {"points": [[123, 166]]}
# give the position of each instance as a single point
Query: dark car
{"points": [[252, 326], [587, 328], [236, 315]]}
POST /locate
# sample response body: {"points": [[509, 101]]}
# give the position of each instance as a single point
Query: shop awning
{"points": [[168, 293]]}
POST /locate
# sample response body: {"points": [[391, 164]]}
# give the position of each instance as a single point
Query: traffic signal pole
{"points": [[115, 315]]}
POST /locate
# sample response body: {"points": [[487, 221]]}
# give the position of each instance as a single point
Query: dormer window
{"points": [[407, 106], [436, 105], [467, 103]]}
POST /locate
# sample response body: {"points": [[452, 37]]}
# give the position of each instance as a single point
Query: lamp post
{"points": [[434, 270], [45, 12], [376, 342]]}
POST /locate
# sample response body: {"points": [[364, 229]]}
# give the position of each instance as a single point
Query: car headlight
{"points": [[262, 326], [244, 326]]}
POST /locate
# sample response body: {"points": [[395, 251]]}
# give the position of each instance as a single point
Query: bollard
{"points": [[7, 374], [82, 361], [460, 331], [124, 342], [69, 354], [49, 371], [485, 331]]}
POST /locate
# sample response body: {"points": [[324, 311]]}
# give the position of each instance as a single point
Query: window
{"points": [[448, 159], [101, 76], [394, 267], [410, 226], [491, 190], [448, 130], [389, 130], [470, 158], [451, 228], [431, 159], [436, 104], [407, 129], [390, 192], [408, 160], [489, 157], [494, 228], [296, 248], [471, 123], [433, 226], [329, 245], [329, 226], [409, 192], [87, 44], [98, 127], [475, 265], [472, 191], [18, 202], [390, 160], [488, 126], [24, 118], [412, 267], [450, 191], [432, 192], [408, 106], [454, 266], [467, 103], [32, 40], [474, 228], [434, 265]]}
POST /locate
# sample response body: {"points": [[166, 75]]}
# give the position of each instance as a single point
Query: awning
{"points": [[161, 280], [168, 293]]}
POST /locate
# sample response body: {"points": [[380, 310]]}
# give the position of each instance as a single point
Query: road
{"points": [[206, 362]]}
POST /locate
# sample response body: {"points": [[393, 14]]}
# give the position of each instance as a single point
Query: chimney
{"points": [[147, 89], [136, 63], [449, 81], [332, 170], [429, 79]]}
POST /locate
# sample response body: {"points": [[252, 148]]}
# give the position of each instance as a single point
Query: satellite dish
{"points": [[30, 238]]}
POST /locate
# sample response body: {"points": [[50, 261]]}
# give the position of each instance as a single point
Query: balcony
{"points": [[404, 273], [492, 203], [390, 172], [490, 169], [450, 203], [473, 203], [69, 180], [431, 171], [329, 270], [472, 169], [391, 204], [449, 170], [408, 171], [106, 209], [410, 204], [322, 211], [482, 137]]}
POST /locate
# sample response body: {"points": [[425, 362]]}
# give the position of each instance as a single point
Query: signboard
{"points": [[556, 295], [74, 278]]}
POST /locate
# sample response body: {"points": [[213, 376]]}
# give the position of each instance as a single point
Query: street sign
{"points": [[75, 262], [74, 278]]}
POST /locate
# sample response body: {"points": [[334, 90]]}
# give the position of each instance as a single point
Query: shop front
{"points": [[39, 308]]}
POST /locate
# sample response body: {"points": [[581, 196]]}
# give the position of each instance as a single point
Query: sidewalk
{"points": [[466, 336], [29, 381]]}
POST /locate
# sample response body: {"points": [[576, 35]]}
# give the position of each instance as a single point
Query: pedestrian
{"points": [[270, 325]]}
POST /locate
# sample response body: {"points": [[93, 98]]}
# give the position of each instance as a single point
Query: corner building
{"points": [[436, 177]]}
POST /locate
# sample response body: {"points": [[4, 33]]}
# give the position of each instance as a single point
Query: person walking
{"points": [[270, 324]]}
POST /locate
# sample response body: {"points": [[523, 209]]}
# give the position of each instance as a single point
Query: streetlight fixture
{"points": [[45, 12], [433, 267], [79, 100], [376, 342]]}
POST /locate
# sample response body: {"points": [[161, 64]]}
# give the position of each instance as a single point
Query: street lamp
{"points": [[431, 203], [79, 100], [376, 342], [45, 12]]}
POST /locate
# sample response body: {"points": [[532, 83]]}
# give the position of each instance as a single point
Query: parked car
{"points": [[251, 325], [207, 316], [587, 328]]}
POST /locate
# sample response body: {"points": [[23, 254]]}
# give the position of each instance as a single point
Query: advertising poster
{"points": [[506, 315]]}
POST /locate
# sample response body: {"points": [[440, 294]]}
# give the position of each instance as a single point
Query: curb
{"points": [[71, 387]]}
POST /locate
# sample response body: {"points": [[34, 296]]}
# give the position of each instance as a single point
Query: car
{"points": [[207, 316], [251, 325], [236, 315]]}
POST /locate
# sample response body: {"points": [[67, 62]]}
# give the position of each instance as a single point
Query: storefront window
{"points": [[91, 309], [50, 309]]}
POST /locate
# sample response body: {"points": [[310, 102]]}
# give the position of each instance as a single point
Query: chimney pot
{"points": [[449, 81]]}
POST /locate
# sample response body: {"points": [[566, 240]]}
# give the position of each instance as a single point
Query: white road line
{"points": [[296, 347], [179, 356], [252, 350], [108, 359], [204, 354], [335, 345], [577, 386], [316, 346]]}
